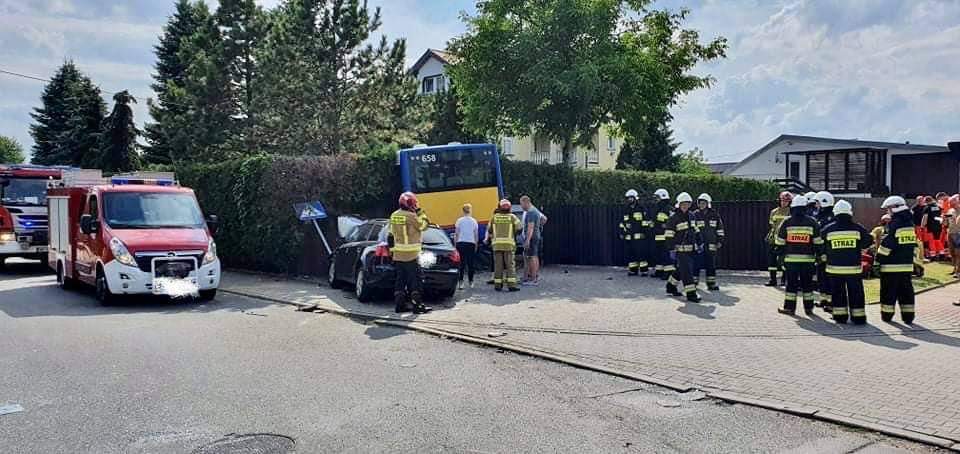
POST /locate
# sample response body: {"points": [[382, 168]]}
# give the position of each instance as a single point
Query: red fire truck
{"points": [[23, 213], [132, 234]]}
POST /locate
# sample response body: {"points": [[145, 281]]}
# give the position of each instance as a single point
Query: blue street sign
{"points": [[311, 211]]}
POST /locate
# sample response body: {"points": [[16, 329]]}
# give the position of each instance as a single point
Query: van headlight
{"points": [[121, 253], [211, 254]]}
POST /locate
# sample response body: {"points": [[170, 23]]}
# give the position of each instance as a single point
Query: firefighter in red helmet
{"points": [[404, 237], [502, 233]]}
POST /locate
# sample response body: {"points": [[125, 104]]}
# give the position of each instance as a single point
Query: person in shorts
{"points": [[533, 221]]}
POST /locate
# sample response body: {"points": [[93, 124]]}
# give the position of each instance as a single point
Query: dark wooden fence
{"points": [[588, 235]]}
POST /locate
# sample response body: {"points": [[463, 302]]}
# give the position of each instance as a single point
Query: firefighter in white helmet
{"points": [[633, 231], [896, 258], [659, 253], [684, 238], [711, 230], [799, 238], [843, 243]]}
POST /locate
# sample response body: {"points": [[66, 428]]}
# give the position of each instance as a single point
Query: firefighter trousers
{"points": [[409, 284], [894, 288], [848, 298], [681, 274], [664, 266], [824, 287], [636, 250], [799, 287], [707, 261], [773, 262], [504, 269]]}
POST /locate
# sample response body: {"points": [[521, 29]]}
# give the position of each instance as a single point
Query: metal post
{"points": [[322, 237]]}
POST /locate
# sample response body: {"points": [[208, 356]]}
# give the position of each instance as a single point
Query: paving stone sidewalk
{"points": [[889, 377]]}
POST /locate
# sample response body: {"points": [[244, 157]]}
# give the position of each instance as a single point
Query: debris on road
{"points": [[693, 396], [308, 308], [408, 365], [11, 408], [253, 313], [668, 403], [496, 334]]}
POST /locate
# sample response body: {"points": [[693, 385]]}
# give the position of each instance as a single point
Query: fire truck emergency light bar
{"points": [[148, 181]]}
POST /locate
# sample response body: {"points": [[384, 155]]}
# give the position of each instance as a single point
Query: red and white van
{"points": [[134, 234]]}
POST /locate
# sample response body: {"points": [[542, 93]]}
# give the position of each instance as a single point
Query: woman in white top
{"points": [[466, 237]]}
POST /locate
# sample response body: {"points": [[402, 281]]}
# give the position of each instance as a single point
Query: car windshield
{"points": [[24, 191], [145, 210], [431, 237]]}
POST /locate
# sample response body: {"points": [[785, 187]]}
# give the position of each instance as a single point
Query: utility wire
{"points": [[40, 79]]}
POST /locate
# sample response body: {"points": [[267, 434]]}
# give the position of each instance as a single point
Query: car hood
{"points": [[162, 240]]}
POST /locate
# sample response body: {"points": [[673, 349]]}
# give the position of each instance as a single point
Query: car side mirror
{"points": [[213, 223]]}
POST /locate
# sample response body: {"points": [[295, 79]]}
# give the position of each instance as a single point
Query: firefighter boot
{"points": [[773, 280], [418, 306], [672, 289], [400, 301], [693, 297]]}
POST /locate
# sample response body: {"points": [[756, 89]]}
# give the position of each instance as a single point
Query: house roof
{"points": [[720, 167], [853, 143], [443, 56]]}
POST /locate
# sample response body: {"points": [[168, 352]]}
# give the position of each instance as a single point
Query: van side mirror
{"points": [[89, 225], [213, 223]]}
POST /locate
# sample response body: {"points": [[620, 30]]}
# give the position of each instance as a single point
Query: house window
{"points": [[858, 170], [611, 143], [795, 170], [508, 146], [541, 150], [432, 84], [593, 155]]}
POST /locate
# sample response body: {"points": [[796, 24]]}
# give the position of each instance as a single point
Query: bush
{"points": [[559, 185], [254, 197]]}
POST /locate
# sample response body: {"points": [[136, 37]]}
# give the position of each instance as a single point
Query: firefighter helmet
{"points": [[662, 194], [684, 197], [786, 196], [895, 203], [632, 193], [825, 199], [798, 201], [505, 205], [811, 197], [706, 198], [408, 200], [843, 207]]}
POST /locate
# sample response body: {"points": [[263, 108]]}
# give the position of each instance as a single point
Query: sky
{"points": [[885, 70]]}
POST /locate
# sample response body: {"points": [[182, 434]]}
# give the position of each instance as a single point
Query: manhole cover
{"points": [[249, 444]]}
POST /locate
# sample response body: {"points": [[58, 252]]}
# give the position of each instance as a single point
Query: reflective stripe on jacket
{"points": [[407, 229]]}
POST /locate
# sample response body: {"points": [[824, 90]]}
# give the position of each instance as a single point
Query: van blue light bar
{"points": [[154, 182]]}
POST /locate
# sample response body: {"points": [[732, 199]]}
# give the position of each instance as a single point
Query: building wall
{"points": [[432, 67]]}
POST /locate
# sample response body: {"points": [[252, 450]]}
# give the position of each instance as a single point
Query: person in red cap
{"points": [[777, 215], [502, 232], [404, 239]]}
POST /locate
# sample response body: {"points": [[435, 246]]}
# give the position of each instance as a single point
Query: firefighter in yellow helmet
{"points": [[404, 239], [502, 232]]}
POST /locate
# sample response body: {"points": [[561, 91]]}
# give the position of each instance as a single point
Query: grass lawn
{"points": [[935, 273]]}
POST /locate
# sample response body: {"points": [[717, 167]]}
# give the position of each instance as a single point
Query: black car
{"points": [[363, 261]]}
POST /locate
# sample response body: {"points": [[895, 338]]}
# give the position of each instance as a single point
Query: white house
{"points": [[432, 78], [855, 168]]}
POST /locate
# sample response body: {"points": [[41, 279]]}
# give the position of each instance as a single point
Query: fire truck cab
{"points": [[23, 211], [132, 234]]}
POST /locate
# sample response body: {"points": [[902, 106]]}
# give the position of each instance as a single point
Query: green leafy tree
{"points": [[563, 68], [66, 127], [11, 152], [118, 139], [243, 25], [328, 90], [655, 151], [693, 163], [447, 124]]}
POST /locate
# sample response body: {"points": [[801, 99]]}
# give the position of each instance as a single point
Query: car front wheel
{"points": [[332, 275]]}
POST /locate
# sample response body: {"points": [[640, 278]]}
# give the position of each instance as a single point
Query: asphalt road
{"points": [[159, 377]]}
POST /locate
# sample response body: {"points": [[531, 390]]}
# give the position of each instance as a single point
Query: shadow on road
{"points": [[28, 289], [867, 334]]}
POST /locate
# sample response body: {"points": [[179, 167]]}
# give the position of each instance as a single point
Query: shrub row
{"points": [[254, 196]]}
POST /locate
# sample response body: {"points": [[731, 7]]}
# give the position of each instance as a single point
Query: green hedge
{"points": [[254, 196]]}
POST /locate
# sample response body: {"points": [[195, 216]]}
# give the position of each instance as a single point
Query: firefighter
{"points": [[777, 215], [824, 218], [711, 230], [404, 239], [896, 257], [502, 234], [799, 238], [659, 214], [633, 232], [683, 237], [844, 241]]}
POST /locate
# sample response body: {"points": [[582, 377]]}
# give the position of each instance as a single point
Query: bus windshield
{"points": [[142, 210], [445, 170], [24, 191]]}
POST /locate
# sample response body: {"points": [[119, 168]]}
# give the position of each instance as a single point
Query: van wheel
{"points": [[104, 296], [208, 295], [64, 282]]}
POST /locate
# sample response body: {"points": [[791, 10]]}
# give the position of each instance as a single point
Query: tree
{"points": [[563, 68], [655, 151], [118, 139], [11, 152], [67, 126], [447, 123], [693, 163], [328, 91], [243, 25]]}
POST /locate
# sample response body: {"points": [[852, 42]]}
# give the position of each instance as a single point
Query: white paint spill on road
{"points": [[11, 408]]}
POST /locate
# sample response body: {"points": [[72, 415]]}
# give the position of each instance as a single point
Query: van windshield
{"points": [[144, 210]]}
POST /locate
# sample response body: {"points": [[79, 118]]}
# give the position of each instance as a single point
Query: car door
{"points": [[347, 252], [88, 244]]}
